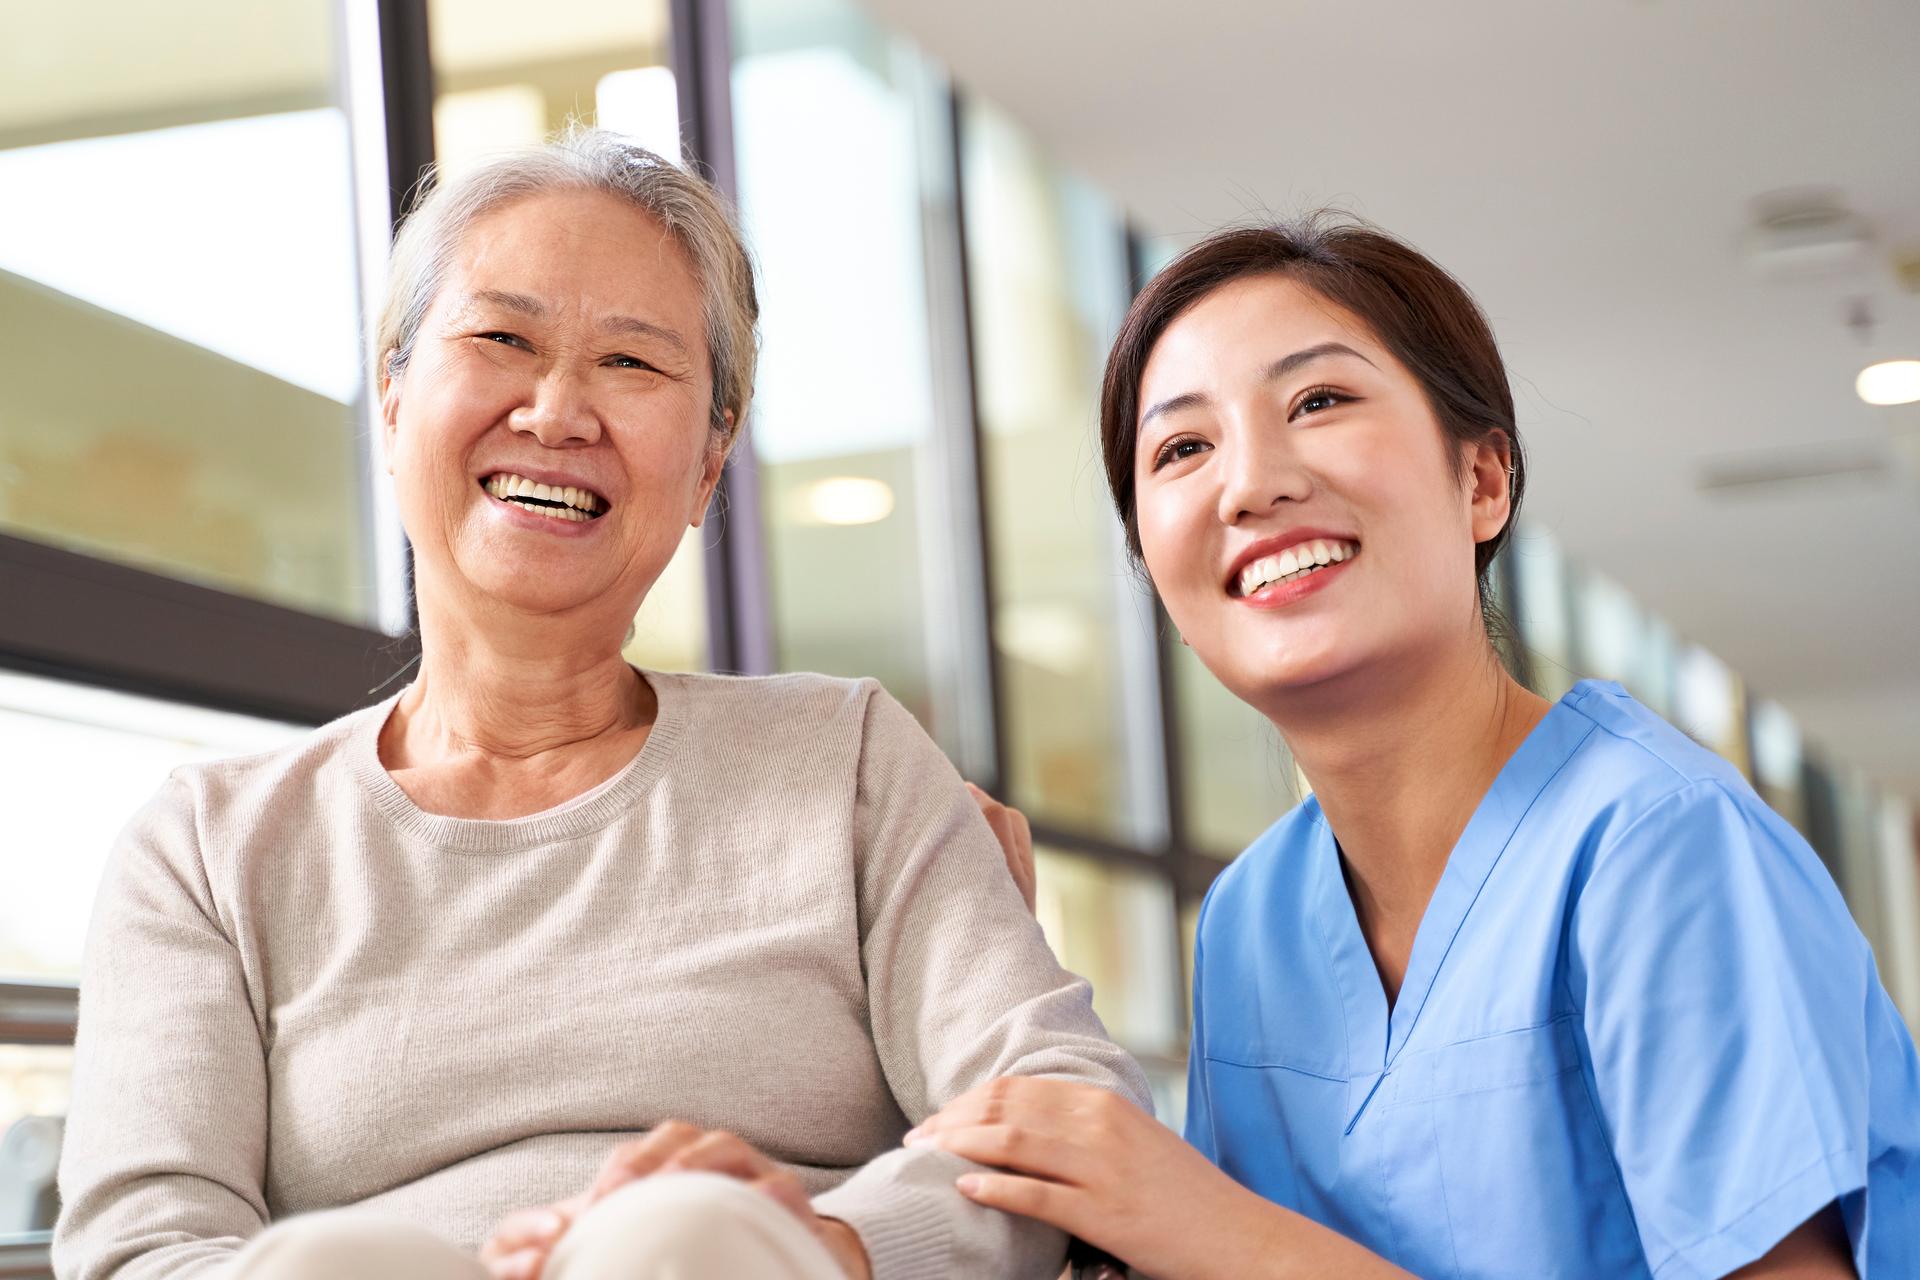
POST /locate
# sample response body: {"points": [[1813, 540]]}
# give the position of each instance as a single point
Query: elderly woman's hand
{"points": [[1015, 836], [521, 1243]]}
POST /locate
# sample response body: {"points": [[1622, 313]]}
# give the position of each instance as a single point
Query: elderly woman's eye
{"points": [[504, 339], [629, 362]]}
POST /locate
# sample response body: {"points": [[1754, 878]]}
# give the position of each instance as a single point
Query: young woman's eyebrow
{"points": [[1278, 369], [1287, 364]]}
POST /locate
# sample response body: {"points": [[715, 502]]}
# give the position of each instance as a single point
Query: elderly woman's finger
{"points": [[634, 1160], [524, 1265], [527, 1227], [785, 1190], [720, 1152]]}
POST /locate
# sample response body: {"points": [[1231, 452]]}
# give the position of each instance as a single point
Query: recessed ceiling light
{"points": [[1889, 382], [848, 500]]}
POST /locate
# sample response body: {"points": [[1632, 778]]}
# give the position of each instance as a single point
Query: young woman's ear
{"points": [[1490, 467]]}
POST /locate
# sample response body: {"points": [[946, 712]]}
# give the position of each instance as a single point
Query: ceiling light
{"points": [[1890, 382], [848, 500]]}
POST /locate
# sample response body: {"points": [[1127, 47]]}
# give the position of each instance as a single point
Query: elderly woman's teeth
{"points": [[560, 502], [1295, 562]]}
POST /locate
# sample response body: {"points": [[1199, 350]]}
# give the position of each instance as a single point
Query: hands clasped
{"points": [[522, 1243]]}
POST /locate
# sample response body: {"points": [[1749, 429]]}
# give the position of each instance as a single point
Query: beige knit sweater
{"points": [[784, 918]]}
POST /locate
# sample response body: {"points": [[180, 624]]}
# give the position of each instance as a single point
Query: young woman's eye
{"points": [[1175, 450], [1317, 400]]}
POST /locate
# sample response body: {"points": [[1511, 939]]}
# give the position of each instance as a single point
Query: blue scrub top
{"points": [[1639, 1034]]}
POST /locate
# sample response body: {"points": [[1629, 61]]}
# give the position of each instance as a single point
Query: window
{"points": [[1541, 615], [1235, 773], [63, 818], [1072, 627], [843, 154], [1709, 702], [183, 388], [1116, 928]]}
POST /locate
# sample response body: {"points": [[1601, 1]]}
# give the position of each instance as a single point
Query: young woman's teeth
{"points": [[1294, 562], [558, 502]]}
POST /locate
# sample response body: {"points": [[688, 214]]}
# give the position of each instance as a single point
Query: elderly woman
{"points": [[681, 956]]}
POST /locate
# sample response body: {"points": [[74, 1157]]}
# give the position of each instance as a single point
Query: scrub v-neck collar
{"points": [[1375, 1038]]}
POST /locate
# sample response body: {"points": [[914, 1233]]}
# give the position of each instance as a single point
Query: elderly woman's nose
{"points": [[558, 411]]}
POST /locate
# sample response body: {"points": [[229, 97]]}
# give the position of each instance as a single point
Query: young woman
{"points": [[1523, 989]]}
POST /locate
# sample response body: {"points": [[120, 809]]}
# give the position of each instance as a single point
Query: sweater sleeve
{"points": [[962, 988], [161, 1171]]}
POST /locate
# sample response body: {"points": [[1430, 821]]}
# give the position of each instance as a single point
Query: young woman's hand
{"points": [[1096, 1166], [1016, 839], [520, 1245]]}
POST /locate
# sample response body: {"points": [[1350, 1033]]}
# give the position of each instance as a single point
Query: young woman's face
{"points": [[1298, 504], [566, 350]]}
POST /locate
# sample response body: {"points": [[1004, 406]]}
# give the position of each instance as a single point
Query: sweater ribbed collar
{"points": [[569, 820]]}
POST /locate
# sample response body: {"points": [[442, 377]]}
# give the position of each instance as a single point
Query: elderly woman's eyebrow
{"points": [[628, 326]]}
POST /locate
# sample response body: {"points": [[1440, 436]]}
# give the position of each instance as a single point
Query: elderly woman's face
{"points": [[549, 439]]}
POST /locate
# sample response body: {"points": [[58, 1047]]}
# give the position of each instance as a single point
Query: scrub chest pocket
{"points": [[1462, 1127]]}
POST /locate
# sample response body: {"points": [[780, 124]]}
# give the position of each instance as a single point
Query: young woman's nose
{"points": [[558, 412], [1260, 468]]}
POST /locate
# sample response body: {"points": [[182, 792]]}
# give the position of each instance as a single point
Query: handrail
{"points": [[38, 1013], [26, 1256]]}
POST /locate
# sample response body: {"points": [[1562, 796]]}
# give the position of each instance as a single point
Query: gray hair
{"points": [[696, 215]]}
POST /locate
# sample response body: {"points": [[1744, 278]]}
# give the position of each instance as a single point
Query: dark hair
{"points": [[1419, 312]]}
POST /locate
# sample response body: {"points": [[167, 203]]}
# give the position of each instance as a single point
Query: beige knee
{"points": [[690, 1226], [352, 1243]]}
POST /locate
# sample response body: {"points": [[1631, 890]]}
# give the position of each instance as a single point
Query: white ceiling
{"points": [[1589, 170]]}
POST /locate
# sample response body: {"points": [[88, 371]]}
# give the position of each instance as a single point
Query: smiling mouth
{"points": [[557, 502], [1292, 564]]}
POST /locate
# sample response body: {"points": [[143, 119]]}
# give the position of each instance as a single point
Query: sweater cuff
{"points": [[905, 1229]]}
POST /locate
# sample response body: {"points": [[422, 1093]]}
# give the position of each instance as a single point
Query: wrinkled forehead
{"points": [[578, 257]]}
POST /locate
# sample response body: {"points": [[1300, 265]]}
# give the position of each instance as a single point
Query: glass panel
{"points": [[845, 423], [1710, 704], [1048, 286], [62, 820], [182, 387], [1115, 928], [1778, 770], [35, 1085], [1540, 612], [508, 76], [1236, 775]]}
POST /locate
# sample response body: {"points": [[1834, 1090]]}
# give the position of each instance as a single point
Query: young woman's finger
{"points": [[1067, 1158], [1044, 1201]]}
